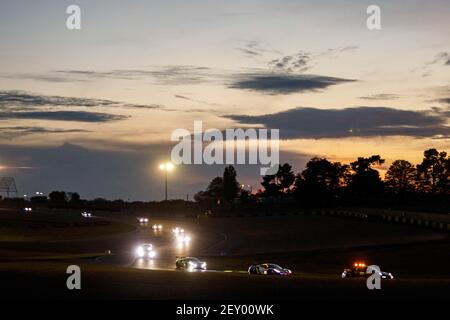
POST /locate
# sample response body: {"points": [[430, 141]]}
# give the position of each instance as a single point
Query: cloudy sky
{"points": [[92, 110]]}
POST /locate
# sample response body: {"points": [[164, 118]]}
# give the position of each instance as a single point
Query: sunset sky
{"points": [[92, 110]]}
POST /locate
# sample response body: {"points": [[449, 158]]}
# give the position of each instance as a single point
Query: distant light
{"points": [[168, 166]]}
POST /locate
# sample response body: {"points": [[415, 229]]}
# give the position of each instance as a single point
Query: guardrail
{"points": [[351, 214]]}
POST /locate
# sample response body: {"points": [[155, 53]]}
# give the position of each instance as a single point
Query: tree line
{"points": [[330, 182]]}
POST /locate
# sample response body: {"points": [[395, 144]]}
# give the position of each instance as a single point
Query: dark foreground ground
{"points": [[47, 279], [315, 248]]}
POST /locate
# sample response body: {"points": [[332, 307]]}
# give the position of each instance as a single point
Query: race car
{"points": [[157, 227], [178, 230], [27, 209], [359, 269], [190, 263], [142, 220], [269, 269], [182, 238], [145, 251], [86, 214]]}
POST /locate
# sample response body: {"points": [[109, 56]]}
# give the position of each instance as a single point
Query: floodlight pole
{"points": [[165, 172]]}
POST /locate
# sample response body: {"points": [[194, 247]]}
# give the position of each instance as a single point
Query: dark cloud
{"points": [[303, 61], [250, 49], [444, 112], [162, 75], [14, 132], [41, 77], [22, 100], [380, 96], [183, 97], [444, 101], [280, 80], [334, 52], [254, 49], [80, 116], [351, 122], [283, 83], [292, 63], [441, 58]]}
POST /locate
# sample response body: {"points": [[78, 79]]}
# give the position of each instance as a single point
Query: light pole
{"points": [[166, 167]]}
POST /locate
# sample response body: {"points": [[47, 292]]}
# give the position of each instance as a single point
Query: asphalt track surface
{"points": [[230, 245]]}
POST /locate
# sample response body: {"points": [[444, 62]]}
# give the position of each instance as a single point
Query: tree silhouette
{"points": [[366, 180], [434, 171], [279, 183], [74, 197], [58, 197], [230, 184], [325, 183], [319, 180], [213, 193], [215, 189], [401, 176]]}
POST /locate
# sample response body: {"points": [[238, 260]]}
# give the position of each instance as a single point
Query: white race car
{"points": [[142, 220], [360, 270], [269, 269], [190, 263], [178, 230], [145, 251], [183, 238]]}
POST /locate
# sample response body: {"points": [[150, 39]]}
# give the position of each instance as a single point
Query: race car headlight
{"points": [[192, 266], [140, 251], [204, 265], [152, 254]]}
